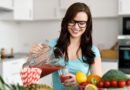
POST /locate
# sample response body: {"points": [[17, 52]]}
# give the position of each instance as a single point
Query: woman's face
{"points": [[78, 25]]}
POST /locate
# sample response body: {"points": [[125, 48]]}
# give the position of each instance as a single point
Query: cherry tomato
{"points": [[83, 84], [107, 84], [114, 83], [121, 83], [100, 84], [128, 82]]}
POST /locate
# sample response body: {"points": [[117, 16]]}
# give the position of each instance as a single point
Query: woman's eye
{"points": [[82, 23]]}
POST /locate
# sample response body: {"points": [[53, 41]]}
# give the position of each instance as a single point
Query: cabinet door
{"points": [[124, 7], [99, 8], [6, 4], [22, 9], [35, 9], [104, 8], [45, 9], [11, 70]]}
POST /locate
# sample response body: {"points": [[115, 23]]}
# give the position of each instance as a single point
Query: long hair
{"points": [[86, 38]]}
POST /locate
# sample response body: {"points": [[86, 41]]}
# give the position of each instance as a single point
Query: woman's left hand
{"points": [[70, 81]]}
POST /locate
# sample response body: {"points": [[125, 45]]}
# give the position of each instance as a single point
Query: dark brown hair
{"points": [[86, 39]]}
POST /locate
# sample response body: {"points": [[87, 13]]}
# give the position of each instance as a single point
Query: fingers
{"points": [[38, 48], [39, 52], [35, 48], [71, 81]]}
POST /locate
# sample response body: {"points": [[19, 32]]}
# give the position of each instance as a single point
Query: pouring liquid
{"points": [[46, 61], [48, 69]]}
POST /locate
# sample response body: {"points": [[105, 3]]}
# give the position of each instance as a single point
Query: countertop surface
{"points": [[16, 56]]}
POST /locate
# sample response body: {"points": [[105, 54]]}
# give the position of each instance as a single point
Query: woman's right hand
{"points": [[39, 51], [36, 49]]}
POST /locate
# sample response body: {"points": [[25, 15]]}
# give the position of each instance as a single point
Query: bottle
{"points": [[3, 53], [0, 55], [12, 52]]}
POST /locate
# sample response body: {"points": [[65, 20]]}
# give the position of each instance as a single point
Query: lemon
{"points": [[80, 77], [91, 87]]}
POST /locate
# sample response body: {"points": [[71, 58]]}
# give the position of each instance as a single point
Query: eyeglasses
{"points": [[81, 24]]}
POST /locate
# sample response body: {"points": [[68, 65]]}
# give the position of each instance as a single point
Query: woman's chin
{"points": [[76, 36]]}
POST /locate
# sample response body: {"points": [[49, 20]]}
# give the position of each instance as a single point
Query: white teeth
{"points": [[75, 31]]}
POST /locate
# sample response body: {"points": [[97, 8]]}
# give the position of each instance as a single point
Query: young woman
{"points": [[75, 41]]}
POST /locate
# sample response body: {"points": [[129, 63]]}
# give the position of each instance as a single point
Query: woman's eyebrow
{"points": [[80, 20]]}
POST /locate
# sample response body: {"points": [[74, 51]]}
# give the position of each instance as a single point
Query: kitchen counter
{"points": [[109, 60], [10, 68], [17, 56]]}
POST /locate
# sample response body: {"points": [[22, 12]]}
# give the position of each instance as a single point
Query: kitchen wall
{"points": [[21, 35]]}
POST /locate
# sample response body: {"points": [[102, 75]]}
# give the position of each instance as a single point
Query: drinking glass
{"points": [[62, 73]]}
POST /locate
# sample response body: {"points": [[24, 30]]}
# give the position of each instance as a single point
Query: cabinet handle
{"points": [[30, 13], [120, 6]]}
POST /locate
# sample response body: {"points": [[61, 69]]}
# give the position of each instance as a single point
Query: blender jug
{"points": [[48, 60]]}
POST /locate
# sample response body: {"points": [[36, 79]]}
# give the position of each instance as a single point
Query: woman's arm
{"points": [[96, 68]]}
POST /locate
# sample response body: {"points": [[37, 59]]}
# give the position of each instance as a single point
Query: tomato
{"points": [[100, 84], [83, 84], [121, 83], [114, 83], [107, 84], [128, 82]]}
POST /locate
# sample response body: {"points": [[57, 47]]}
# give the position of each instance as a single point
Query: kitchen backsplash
{"points": [[21, 35]]}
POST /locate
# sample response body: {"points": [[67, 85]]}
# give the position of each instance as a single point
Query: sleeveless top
{"points": [[73, 66]]}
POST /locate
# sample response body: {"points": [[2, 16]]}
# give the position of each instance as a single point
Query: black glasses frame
{"points": [[73, 22]]}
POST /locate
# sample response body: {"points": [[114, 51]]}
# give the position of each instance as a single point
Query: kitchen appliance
{"points": [[126, 25], [124, 53]]}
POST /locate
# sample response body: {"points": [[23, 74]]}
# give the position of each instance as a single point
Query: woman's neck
{"points": [[75, 42]]}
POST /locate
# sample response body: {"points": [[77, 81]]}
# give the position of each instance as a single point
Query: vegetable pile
{"points": [[114, 79], [111, 79]]}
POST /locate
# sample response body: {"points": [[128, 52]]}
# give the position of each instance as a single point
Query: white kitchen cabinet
{"points": [[6, 5], [104, 8], [124, 7], [99, 8], [35, 9], [11, 70]]}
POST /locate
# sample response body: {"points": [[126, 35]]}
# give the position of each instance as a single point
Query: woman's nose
{"points": [[76, 25]]}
